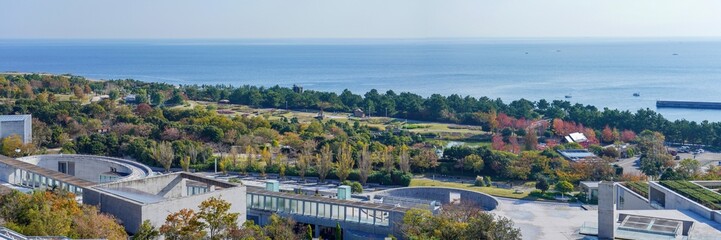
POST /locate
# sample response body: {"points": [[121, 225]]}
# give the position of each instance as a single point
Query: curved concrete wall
{"points": [[89, 167], [442, 195]]}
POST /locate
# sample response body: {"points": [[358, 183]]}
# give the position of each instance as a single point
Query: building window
{"points": [[63, 167], [194, 190]]}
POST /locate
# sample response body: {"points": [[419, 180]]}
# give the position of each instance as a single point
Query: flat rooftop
{"points": [[13, 118], [576, 154], [590, 184], [45, 172], [162, 187]]}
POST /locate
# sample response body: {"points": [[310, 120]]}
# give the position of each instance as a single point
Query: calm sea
{"points": [[604, 73]]}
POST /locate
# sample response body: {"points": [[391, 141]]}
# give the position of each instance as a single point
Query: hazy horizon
{"points": [[356, 19]]}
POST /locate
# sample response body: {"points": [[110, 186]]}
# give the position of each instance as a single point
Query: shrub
{"points": [[536, 193], [355, 187], [564, 187], [539, 194], [542, 184], [488, 181], [381, 178], [406, 179], [479, 182]]}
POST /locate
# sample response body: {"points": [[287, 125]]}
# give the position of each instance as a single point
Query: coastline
{"points": [[15, 73]]}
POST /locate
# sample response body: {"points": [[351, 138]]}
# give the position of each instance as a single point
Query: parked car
{"points": [[683, 149]]}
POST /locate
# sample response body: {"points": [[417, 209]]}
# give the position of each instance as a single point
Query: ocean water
{"points": [[603, 73]]}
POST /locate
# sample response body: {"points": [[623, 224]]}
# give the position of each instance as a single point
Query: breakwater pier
{"points": [[688, 104]]}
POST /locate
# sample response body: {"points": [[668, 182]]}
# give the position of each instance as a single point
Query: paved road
{"points": [[629, 165]]}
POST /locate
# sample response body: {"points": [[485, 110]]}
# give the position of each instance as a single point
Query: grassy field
{"points": [[444, 130], [499, 192]]}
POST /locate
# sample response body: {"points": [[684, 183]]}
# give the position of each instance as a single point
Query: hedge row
{"points": [[695, 192]]}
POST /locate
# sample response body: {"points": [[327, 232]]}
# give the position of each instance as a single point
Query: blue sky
{"points": [[359, 18]]}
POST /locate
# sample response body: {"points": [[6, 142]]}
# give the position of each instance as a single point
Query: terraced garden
{"points": [[696, 193], [639, 187]]}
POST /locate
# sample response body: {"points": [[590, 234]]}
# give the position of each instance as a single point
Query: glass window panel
{"points": [[282, 204], [334, 209], [352, 214], [293, 206], [341, 212], [327, 210], [306, 208], [365, 215], [321, 210], [383, 218], [313, 208]]}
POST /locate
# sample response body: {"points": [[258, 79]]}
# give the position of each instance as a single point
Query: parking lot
{"points": [[706, 158]]}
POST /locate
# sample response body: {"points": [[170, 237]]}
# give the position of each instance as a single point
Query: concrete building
{"points": [[25, 175], [590, 188], [625, 214], [97, 169], [662, 197], [153, 198], [21, 125]]}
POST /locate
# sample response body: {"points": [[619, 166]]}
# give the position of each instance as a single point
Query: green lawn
{"points": [[499, 192]]}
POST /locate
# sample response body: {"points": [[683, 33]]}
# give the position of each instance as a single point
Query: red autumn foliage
{"points": [[628, 136], [504, 121], [497, 142], [514, 147], [607, 135]]}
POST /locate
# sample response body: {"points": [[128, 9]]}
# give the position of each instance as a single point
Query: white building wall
{"points": [[630, 200], [20, 125], [157, 212]]}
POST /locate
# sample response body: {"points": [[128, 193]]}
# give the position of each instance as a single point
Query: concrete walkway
{"points": [[545, 220]]}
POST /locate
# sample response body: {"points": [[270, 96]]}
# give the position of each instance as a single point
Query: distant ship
{"points": [[568, 96], [636, 94]]}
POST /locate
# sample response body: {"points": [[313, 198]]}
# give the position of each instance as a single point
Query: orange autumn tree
{"points": [[56, 213], [607, 135]]}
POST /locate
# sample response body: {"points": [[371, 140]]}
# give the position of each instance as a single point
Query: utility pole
{"points": [[216, 164]]}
